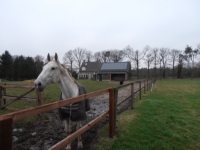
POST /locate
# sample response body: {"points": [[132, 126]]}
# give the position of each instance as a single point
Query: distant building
{"points": [[116, 71], [89, 70]]}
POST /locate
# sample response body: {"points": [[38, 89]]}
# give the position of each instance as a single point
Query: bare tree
{"points": [[135, 56], [105, 56], [174, 54], [97, 56], [68, 58], [89, 56], [181, 59], [149, 57], [164, 57], [79, 56], [191, 55], [117, 55], [198, 46], [155, 56]]}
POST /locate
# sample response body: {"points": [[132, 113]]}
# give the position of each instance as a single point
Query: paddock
{"points": [[7, 120]]}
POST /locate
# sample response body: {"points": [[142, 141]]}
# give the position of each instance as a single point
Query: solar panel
{"points": [[114, 66]]}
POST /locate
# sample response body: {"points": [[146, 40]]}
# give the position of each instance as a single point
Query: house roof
{"points": [[102, 68], [90, 67], [117, 67], [114, 66]]}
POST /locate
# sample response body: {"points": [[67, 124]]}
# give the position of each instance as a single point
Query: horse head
{"points": [[50, 73]]}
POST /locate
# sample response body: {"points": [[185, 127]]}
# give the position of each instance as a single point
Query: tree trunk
{"points": [[179, 71], [160, 70], [163, 73], [173, 69], [137, 70], [192, 72], [148, 70]]}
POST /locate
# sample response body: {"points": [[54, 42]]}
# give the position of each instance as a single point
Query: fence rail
{"points": [[4, 96], [7, 120]]}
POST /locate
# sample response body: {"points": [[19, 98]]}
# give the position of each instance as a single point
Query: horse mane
{"points": [[67, 71]]}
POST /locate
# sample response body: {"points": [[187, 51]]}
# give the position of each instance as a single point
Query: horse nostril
{"points": [[39, 84]]}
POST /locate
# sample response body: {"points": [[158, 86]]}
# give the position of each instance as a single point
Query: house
{"points": [[116, 71], [89, 70]]}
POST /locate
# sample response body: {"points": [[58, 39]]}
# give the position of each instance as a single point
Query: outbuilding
{"points": [[115, 71]]}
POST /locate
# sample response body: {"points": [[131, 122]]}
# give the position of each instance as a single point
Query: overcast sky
{"points": [[38, 27]]}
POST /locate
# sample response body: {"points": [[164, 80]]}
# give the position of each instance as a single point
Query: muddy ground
{"points": [[47, 130]]}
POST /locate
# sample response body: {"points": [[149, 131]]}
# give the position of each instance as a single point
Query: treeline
{"points": [[185, 73], [155, 62], [16, 68], [160, 62]]}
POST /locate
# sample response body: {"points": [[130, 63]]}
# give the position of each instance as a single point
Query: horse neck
{"points": [[67, 85]]}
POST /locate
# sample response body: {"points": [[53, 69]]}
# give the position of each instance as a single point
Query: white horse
{"points": [[54, 72]]}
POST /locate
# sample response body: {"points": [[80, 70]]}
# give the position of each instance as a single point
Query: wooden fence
{"points": [[7, 120], [39, 98]]}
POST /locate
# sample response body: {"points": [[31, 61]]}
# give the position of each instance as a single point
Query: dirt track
{"points": [[48, 129]]}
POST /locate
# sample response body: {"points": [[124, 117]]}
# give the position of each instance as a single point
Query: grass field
{"points": [[167, 118], [52, 92]]}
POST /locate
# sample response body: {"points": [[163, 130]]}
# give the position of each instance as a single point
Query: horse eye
{"points": [[53, 68]]}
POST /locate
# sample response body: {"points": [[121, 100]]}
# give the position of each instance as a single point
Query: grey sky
{"points": [[32, 27]]}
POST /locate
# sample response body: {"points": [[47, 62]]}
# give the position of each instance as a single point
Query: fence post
{"points": [[4, 93], [1, 103], [39, 98], [144, 86], [115, 108], [132, 95], [6, 134], [147, 84], [140, 89], [111, 113]]}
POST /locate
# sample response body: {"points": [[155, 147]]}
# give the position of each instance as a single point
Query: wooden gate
{"points": [[39, 98]]}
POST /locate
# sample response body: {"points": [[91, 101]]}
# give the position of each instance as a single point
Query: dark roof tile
{"points": [[90, 66]]}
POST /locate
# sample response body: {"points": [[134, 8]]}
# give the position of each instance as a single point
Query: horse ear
{"points": [[48, 57], [56, 57]]}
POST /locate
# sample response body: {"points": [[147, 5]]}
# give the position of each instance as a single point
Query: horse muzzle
{"points": [[39, 86]]}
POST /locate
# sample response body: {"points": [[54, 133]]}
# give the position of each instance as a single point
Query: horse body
{"points": [[54, 72]]}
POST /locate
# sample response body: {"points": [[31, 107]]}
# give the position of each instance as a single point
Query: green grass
{"points": [[92, 86], [167, 118], [51, 93]]}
